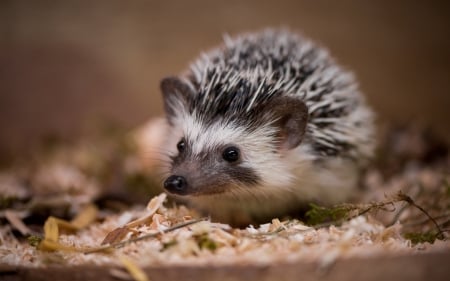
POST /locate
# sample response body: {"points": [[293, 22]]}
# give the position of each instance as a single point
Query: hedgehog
{"points": [[264, 125]]}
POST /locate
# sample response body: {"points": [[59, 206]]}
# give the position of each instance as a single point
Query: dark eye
{"points": [[181, 145], [231, 154]]}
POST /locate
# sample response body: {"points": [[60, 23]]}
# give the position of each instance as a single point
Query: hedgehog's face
{"points": [[223, 156], [209, 163]]}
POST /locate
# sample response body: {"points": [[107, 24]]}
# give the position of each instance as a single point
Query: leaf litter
{"points": [[403, 209]]}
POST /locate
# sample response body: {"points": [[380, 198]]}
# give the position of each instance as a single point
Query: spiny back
{"points": [[232, 82]]}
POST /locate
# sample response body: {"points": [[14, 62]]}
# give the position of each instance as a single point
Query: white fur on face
{"points": [[287, 177], [259, 150]]}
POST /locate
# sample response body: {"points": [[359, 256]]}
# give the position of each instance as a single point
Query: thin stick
{"points": [[412, 203], [150, 235]]}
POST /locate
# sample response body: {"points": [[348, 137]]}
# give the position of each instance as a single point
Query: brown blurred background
{"points": [[65, 65]]}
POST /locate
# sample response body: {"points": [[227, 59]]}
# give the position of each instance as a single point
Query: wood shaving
{"points": [[162, 234], [209, 243], [14, 219]]}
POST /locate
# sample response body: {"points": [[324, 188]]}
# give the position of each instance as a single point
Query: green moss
{"points": [[169, 244], [318, 214], [34, 240], [205, 242], [418, 237], [6, 202]]}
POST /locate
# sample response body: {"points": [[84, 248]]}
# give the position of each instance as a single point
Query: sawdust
{"points": [[164, 233]]}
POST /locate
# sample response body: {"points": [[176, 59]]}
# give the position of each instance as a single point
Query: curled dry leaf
{"points": [[152, 207], [53, 225], [116, 235], [87, 216], [148, 219]]}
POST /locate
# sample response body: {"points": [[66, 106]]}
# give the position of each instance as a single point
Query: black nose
{"points": [[176, 184]]}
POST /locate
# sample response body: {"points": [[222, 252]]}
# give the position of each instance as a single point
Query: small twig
{"points": [[397, 215], [420, 190], [150, 235], [410, 201], [361, 210], [423, 221]]}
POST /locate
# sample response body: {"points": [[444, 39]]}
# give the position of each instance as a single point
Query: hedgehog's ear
{"points": [[176, 96], [292, 116]]}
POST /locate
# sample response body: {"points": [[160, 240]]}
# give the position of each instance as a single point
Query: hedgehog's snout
{"points": [[176, 185]]}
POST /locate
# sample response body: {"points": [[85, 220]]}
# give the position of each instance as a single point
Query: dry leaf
{"points": [[152, 207], [135, 271], [53, 225], [85, 217], [48, 245], [16, 222], [119, 233], [51, 230], [116, 235]]}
